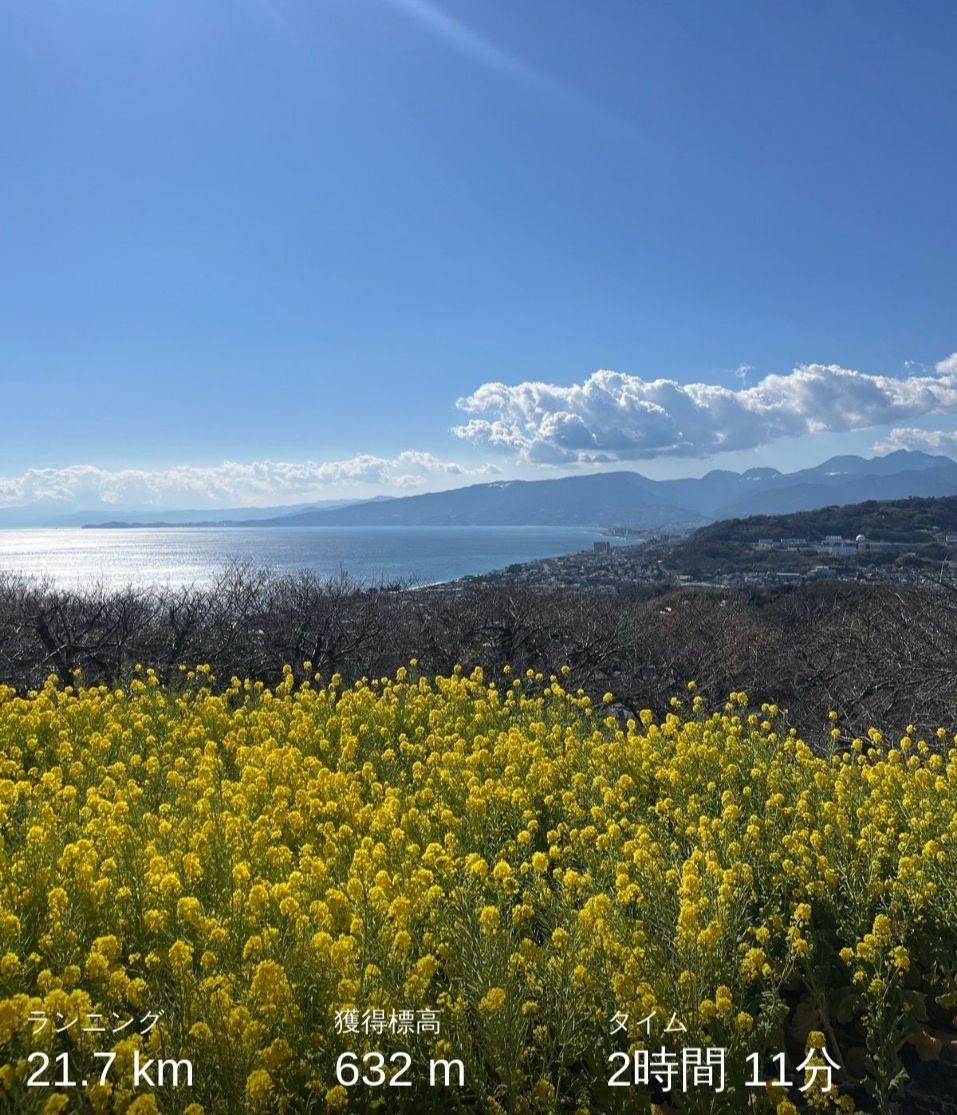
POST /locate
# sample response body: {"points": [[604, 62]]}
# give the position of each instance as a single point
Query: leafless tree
{"points": [[883, 655]]}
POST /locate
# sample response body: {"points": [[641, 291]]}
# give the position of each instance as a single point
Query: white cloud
{"points": [[614, 416], [908, 437], [231, 483]]}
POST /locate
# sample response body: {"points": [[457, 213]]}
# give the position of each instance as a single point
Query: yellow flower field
{"points": [[289, 880]]}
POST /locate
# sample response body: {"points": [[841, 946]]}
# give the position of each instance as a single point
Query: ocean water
{"points": [[194, 555]]}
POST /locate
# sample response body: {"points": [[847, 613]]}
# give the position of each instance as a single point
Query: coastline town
{"points": [[613, 565]]}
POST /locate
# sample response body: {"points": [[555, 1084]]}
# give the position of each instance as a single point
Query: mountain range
{"points": [[604, 499], [629, 499]]}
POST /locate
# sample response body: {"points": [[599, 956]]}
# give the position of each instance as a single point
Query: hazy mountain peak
{"points": [[761, 473], [899, 460], [841, 465], [915, 458]]}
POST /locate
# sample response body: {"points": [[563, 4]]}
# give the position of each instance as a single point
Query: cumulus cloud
{"points": [[614, 416], [231, 483], [908, 437]]}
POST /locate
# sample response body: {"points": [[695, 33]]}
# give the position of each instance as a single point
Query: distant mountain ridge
{"points": [[629, 499], [42, 515], [608, 499], [602, 499]]}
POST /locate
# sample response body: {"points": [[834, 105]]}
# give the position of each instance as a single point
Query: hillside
{"points": [[890, 520], [729, 546]]}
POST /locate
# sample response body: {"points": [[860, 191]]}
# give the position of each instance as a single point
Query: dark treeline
{"points": [[883, 656]]}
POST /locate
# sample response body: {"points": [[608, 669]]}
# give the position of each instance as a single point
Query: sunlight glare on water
{"points": [[195, 555]]}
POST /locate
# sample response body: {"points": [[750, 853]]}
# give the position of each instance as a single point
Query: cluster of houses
{"points": [[837, 546]]}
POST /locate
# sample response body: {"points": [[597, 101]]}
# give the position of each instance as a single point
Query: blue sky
{"points": [[256, 251]]}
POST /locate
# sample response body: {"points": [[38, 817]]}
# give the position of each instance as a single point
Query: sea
{"points": [[143, 556]]}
